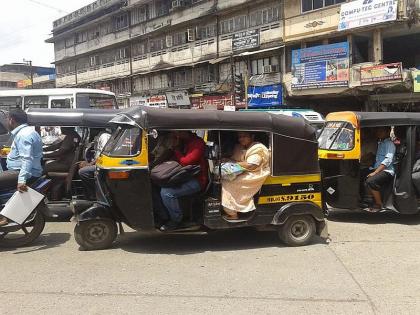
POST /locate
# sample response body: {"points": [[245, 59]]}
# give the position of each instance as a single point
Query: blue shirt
{"points": [[385, 155], [26, 153]]}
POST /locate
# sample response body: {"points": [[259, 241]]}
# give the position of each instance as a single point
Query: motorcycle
{"points": [[17, 235]]}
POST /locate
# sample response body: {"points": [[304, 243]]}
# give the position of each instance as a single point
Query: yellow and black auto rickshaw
{"points": [[289, 201], [343, 148]]}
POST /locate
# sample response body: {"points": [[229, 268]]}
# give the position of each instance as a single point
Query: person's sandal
{"points": [[3, 221], [374, 209]]}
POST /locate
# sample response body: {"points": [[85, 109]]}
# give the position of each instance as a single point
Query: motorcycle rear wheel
{"points": [[27, 234]]}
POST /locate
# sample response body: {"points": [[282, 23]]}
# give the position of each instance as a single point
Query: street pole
{"points": [[232, 72], [32, 74]]}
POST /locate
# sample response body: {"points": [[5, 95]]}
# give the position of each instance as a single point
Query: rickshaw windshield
{"points": [[337, 136], [124, 142]]}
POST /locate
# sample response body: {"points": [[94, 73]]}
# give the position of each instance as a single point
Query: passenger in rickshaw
{"points": [[254, 158], [383, 170], [163, 150], [62, 153], [189, 149]]}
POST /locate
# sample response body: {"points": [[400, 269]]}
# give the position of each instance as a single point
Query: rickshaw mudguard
{"points": [[300, 208], [97, 211]]}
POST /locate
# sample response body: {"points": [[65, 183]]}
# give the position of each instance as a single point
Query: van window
{"points": [[36, 102], [10, 102], [124, 142], [61, 103], [337, 136], [91, 100]]}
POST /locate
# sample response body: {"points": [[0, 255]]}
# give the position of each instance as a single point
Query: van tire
{"points": [[298, 230], [95, 234]]}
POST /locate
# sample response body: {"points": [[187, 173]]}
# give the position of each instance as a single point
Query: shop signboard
{"points": [[265, 96], [153, 101], [179, 99], [381, 73], [215, 102], [360, 13], [321, 66], [416, 81], [246, 40]]}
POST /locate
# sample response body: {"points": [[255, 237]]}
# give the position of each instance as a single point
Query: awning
{"points": [[217, 60], [248, 53]]}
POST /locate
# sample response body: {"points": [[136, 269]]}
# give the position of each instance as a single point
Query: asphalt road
{"points": [[371, 266]]}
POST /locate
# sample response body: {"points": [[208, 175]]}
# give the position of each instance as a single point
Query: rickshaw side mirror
{"points": [[153, 133]]}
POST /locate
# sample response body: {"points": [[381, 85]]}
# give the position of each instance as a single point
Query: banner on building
{"points": [[416, 81], [246, 40], [179, 99], [215, 102], [265, 96], [381, 73], [153, 101], [21, 84], [321, 66], [366, 12]]}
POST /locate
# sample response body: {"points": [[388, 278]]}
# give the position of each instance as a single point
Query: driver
{"points": [[24, 160]]}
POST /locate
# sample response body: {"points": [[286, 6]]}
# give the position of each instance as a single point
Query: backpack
{"points": [[171, 173]]}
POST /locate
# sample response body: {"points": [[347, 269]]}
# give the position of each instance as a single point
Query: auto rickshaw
{"points": [[85, 121], [342, 143], [289, 202]]}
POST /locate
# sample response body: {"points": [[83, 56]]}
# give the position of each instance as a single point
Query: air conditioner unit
{"points": [[271, 68], [190, 35], [178, 4]]}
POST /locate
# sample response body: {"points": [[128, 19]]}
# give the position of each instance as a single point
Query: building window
{"points": [[257, 65], [120, 22], [309, 5], [94, 61], [139, 15], [233, 24], [204, 32], [161, 8], [204, 74], [106, 28], [157, 44], [122, 53], [182, 78], [264, 16], [139, 49], [81, 37], [179, 39], [69, 42], [94, 33]]}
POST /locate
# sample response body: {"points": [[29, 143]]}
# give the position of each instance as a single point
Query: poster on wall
{"points": [[153, 101], [178, 99], [246, 40], [265, 96], [416, 81], [390, 72], [366, 12], [321, 66]]}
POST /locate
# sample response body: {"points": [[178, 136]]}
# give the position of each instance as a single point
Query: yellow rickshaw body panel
{"points": [[355, 152], [127, 162]]}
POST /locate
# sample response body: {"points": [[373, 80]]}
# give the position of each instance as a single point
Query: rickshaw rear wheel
{"points": [[95, 234], [298, 230]]}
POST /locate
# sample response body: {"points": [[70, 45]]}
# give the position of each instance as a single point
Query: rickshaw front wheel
{"points": [[95, 234], [298, 230]]}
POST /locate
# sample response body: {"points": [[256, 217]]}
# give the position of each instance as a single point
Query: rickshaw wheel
{"points": [[95, 234], [298, 230]]}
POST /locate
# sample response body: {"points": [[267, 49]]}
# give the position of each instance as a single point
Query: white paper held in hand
{"points": [[20, 205]]}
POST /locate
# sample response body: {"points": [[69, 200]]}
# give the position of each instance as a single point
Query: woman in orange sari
{"points": [[238, 194]]}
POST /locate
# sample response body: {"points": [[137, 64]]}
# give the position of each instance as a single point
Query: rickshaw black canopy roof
{"points": [[93, 118], [149, 118], [377, 119]]}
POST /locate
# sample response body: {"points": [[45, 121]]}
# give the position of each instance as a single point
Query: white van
{"points": [[57, 98]]}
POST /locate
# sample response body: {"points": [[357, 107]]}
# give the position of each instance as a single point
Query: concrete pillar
{"points": [[378, 55]]}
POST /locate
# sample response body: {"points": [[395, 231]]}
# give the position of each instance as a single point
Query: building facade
{"points": [[149, 51], [18, 75]]}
